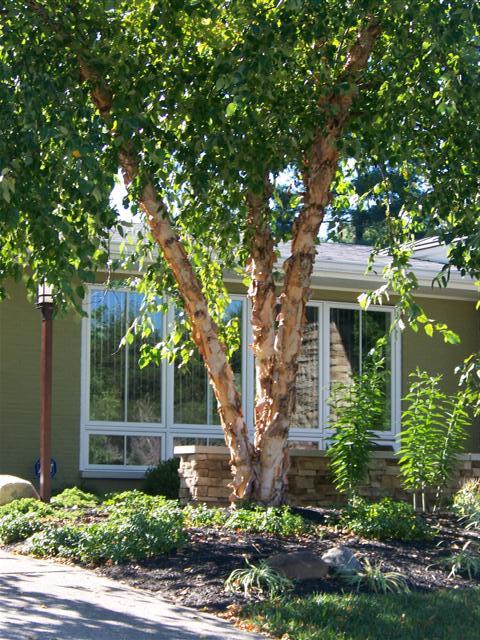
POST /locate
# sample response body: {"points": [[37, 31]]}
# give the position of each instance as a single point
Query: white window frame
{"points": [[168, 430], [385, 437]]}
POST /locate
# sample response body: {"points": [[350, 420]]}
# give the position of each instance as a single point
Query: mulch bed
{"points": [[194, 576]]}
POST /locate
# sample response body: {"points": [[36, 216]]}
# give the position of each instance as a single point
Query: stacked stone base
{"points": [[205, 476]]}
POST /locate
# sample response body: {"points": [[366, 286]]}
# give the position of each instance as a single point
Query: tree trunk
{"points": [[318, 176], [204, 330]]}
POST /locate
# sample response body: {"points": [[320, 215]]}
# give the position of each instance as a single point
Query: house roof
{"points": [[343, 266]]}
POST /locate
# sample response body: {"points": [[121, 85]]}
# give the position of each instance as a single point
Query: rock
{"points": [[341, 559], [13, 488], [299, 565]]}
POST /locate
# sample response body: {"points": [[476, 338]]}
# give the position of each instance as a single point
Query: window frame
{"points": [[167, 429]]}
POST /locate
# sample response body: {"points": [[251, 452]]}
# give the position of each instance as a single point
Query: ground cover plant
{"points": [[386, 519], [216, 558]]}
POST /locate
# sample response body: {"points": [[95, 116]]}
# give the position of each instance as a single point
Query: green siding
{"points": [[19, 390], [20, 363]]}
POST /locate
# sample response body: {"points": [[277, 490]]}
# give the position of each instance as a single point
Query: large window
{"points": [[194, 402], [132, 417], [352, 334], [119, 390]]}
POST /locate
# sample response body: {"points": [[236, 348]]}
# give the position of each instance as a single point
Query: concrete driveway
{"points": [[45, 600]]}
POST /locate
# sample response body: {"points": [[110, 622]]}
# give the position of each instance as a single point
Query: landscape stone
{"points": [[13, 488], [341, 559], [299, 565]]}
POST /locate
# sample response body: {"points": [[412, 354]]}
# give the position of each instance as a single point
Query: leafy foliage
{"points": [[434, 430], [163, 479], [259, 578], [19, 519], [128, 534], [385, 520], [279, 521], [374, 579], [74, 497], [357, 408], [465, 562], [466, 503]]}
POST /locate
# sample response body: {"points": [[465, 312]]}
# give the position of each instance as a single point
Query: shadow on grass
{"points": [[440, 615]]}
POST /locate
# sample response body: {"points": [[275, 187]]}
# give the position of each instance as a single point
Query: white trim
{"points": [[168, 429]]}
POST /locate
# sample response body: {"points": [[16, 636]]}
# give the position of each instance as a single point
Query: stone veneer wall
{"points": [[205, 475]]}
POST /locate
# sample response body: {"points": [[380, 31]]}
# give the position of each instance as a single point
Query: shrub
{"points": [[275, 520], [260, 579], [26, 505], [75, 497], [134, 501], [465, 563], [374, 579], [357, 408], [385, 520], [466, 503], [202, 516], [16, 527], [434, 430], [134, 535], [163, 479], [19, 519]]}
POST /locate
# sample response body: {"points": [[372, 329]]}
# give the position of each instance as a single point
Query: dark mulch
{"points": [[194, 576]]}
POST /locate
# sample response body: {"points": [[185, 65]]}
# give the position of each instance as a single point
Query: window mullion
{"points": [[127, 348]]}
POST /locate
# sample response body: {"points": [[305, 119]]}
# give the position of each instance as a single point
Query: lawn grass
{"points": [[440, 615]]}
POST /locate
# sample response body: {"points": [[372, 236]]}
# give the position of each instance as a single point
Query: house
{"points": [[112, 420]]}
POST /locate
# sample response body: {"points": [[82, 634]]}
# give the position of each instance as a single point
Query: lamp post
{"points": [[46, 306]]}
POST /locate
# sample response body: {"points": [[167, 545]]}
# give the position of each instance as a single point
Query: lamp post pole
{"points": [[45, 304]]}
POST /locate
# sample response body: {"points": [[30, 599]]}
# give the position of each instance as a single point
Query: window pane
{"points": [[303, 444], [144, 450], [376, 325], [306, 409], [194, 402], [187, 441], [144, 385], [105, 449], [344, 344], [107, 361]]}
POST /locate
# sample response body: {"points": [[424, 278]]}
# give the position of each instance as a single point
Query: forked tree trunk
{"points": [[319, 173], [261, 471]]}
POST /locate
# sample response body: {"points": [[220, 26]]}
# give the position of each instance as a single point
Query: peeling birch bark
{"points": [[263, 299], [318, 177], [204, 330]]}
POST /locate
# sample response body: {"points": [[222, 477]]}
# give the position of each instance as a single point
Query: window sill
{"points": [[113, 473]]}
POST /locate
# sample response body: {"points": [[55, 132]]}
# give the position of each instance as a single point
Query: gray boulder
{"points": [[299, 565], [342, 560], [13, 488]]}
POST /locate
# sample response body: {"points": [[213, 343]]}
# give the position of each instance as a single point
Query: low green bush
{"points": [[125, 536], [466, 503], [163, 479], [259, 578], [200, 515], [75, 497], [26, 505], [16, 527], [385, 520], [19, 519], [133, 501], [278, 521]]}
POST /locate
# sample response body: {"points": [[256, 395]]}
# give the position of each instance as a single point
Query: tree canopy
{"points": [[206, 106]]}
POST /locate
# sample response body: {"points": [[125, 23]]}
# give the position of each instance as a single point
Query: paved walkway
{"points": [[45, 600]]}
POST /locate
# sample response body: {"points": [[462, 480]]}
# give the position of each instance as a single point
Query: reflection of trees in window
{"points": [[353, 334], [143, 450], [194, 402], [105, 449], [306, 404], [119, 390]]}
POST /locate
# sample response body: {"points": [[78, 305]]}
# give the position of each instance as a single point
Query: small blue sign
{"points": [[53, 468]]}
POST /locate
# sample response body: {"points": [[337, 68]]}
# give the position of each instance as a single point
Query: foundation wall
{"points": [[205, 475]]}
